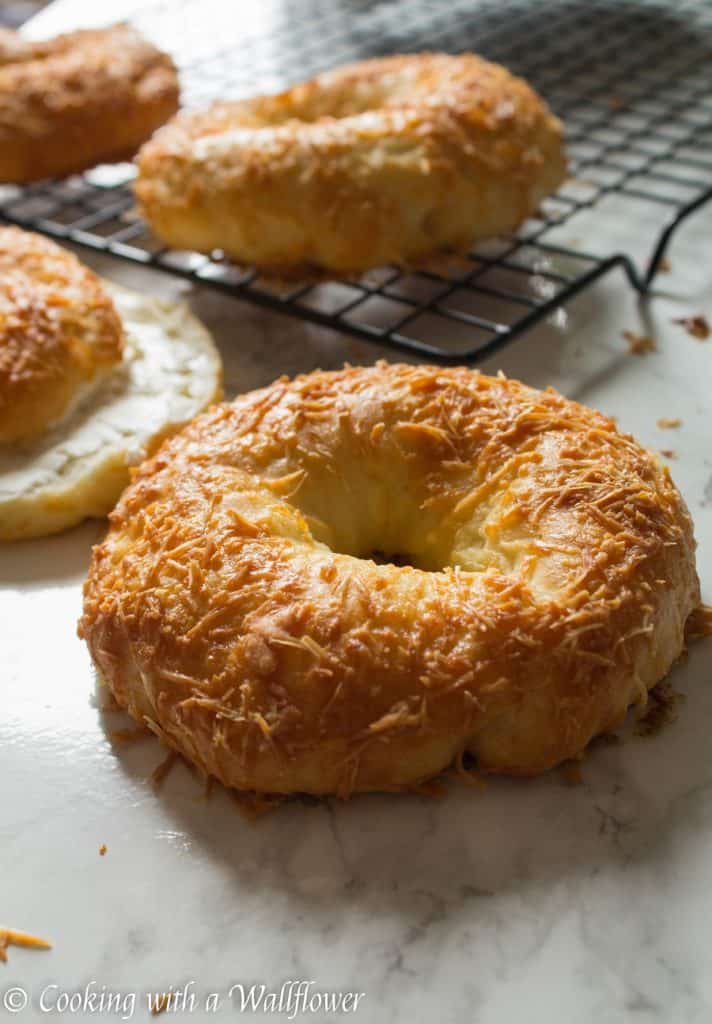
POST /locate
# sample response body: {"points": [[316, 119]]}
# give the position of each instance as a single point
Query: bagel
{"points": [[59, 333], [385, 161], [91, 377], [235, 605], [79, 99]]}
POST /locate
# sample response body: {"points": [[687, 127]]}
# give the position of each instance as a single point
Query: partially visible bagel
{"points": [[79, 99], [385, 161], [92, 378], [236, 606], [60, 333]]}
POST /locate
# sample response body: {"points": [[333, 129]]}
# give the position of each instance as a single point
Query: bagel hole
{"points": [[397, 558], [388, 527]]}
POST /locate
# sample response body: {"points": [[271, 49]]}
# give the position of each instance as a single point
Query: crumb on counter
{"points": [[664, 266], [102, 850], [639, 344], [160, 1005], [668, 453], [696, 326], [8, 937], [669, 422]]}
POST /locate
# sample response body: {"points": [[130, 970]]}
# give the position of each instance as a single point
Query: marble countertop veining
{"points": [[563, 903], [536, 900]]}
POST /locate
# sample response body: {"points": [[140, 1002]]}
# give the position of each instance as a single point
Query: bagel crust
{"points": [[79, 99], [384, 161], [236, 608]]}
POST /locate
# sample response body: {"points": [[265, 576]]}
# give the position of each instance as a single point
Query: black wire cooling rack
{"points": [[630, 78]]}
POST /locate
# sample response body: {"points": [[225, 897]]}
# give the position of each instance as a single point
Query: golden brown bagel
{"points": [[71, 102], [59, 331], [235, 608], [384, 161]]}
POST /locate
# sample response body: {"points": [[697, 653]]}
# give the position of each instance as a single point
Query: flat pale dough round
{"points": [[170, 372]]}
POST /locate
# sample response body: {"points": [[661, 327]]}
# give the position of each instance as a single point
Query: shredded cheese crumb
{"points": [[696, 326], [639, 344], [8, 937], [160, 1005]]}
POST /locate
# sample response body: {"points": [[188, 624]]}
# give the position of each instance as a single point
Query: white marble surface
{"points": [[538, 901], [562, 903]]}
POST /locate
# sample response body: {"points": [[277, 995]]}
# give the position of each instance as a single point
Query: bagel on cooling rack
{"points": [[385, 161], [91, 377], [79, 99], [236, 606]]}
